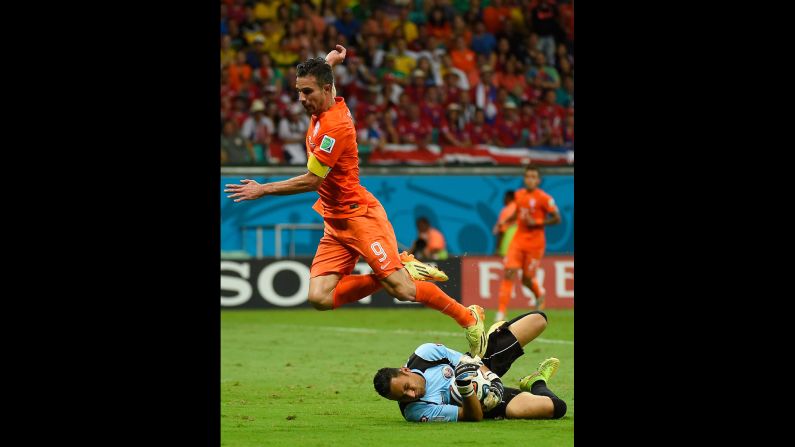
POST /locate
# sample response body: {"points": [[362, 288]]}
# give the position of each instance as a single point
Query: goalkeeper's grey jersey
{"points": [[436, 363]]}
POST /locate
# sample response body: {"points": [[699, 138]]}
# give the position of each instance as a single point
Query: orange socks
{"points": [[534, 287], [354, 287], [432, 296], [506, 287]]}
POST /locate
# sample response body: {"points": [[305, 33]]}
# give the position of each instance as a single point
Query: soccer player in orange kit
{"points": [[355, 221], [534, 210]]}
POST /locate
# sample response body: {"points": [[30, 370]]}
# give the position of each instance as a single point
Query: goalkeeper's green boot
{"points": [[476, 334], [420, 271], [545, 371]]}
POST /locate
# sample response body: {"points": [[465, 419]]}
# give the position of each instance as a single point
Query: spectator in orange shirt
{"points": [[464, 59], [238, 71], [430, 242], [438, 25]]}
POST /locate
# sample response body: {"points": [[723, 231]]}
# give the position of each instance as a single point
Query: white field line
{"points": [[361, 330]]}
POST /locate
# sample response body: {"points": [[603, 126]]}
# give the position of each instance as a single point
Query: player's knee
{"points": [[539, 318], [321, 301], [559, 408]]}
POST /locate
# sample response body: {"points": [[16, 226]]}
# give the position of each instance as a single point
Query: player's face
{"points": [[531, 179], [311, 95], [407, 386]]}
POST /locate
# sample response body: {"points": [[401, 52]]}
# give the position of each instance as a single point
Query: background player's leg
{"points": [[530, 281], [506, 287]]}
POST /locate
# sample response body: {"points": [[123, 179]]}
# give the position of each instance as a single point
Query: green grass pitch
{"points": [[304, 377]]}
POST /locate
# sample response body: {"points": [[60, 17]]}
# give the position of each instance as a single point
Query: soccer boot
{"points": [[545, 371], [420, 271]]}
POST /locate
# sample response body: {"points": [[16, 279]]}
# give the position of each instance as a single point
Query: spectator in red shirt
{"points": [[512, 75], [416, 89], [529, 125], [552, 110], [568, 131], [495, 16], [509, 128], [415, 129], [479, 131], [453, 132]]}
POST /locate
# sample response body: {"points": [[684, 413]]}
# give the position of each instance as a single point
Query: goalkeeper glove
{"points": [[464, 373], [465, 358], [496, 391], [496, 384]]}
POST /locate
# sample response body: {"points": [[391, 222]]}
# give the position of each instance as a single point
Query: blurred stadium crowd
{"points": [[422, 78]]}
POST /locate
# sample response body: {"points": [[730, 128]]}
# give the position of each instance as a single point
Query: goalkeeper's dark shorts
{"points": [[503, 349]]}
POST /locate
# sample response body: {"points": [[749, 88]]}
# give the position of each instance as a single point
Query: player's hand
{"points": [[249, 190], [496, 384], [490, 401], [336, 56], [464, 373], [496, 391], [531, 222], [497, 388], [467, 359]]}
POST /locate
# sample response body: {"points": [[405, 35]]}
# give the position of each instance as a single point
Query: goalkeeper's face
{"points": [[407, 386]]}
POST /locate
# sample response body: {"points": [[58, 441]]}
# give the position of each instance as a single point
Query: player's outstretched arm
{"points": [[251, 190], [333, 58]]}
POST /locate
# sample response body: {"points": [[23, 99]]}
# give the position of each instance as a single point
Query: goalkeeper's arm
{"points": [[464, 373], [471, 409]]}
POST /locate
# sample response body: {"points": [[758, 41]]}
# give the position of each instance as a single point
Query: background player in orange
{"points": [[505, 227], [535, 209], [355, 221]]}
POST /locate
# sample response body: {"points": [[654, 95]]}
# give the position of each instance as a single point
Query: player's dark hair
{"points": [[424, 220], [383, 380], [509, 194], [318, 68], [532, 167]]}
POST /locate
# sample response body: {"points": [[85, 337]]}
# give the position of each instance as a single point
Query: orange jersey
{"points": [[536, 204], [331, 138]]}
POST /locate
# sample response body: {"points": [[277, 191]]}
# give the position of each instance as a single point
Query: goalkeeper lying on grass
{"points": [[435, 378]]}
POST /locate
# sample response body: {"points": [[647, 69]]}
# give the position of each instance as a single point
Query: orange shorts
{"points": [[523, 257], [370, 236]]}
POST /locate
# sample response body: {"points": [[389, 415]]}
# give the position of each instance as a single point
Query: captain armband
{"points": [[316, 167]]}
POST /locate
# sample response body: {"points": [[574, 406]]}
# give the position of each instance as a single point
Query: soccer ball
{"points": [[481, 385]]}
